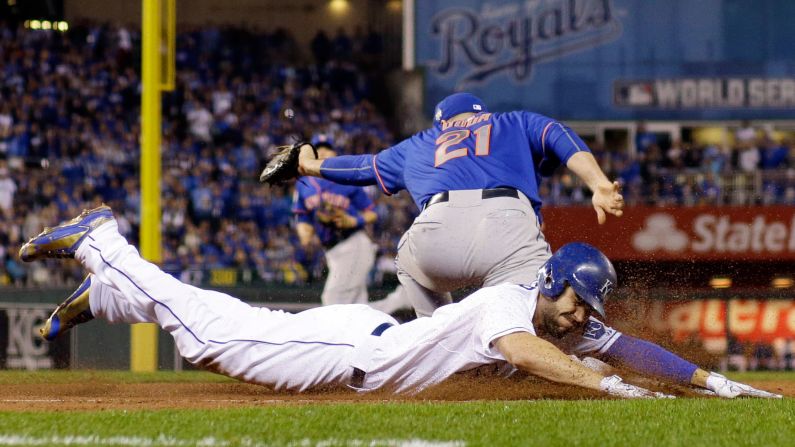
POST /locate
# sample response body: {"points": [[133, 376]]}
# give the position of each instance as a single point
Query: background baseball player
{"points": [[475, 176], [332, 217], [524, 325]]}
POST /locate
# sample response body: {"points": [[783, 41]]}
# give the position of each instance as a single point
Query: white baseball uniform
{"points": [[332, 345]]}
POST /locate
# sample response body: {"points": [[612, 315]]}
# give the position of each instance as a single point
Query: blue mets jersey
{"points": [[487, 150], [316, 201]]}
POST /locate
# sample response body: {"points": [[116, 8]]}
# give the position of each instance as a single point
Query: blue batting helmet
{"points": [[583, 267]]}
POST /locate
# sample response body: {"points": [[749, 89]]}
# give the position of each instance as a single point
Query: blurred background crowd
{"points": [[69, 114]]}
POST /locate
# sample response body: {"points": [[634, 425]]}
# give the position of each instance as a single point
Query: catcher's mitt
{"points": [[283, 166]]}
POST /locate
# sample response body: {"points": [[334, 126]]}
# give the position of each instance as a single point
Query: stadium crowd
{"points": [[69, 128]]}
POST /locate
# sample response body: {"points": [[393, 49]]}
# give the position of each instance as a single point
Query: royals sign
{"points": [[511, 39], [610, 59]]}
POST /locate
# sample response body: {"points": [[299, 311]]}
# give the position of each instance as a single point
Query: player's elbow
{"points": [[513, 348]]}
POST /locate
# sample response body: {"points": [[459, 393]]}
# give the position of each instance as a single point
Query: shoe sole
{"points": [[53, 327], [69, 233]]}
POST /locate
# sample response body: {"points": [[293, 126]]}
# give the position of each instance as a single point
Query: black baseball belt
{"points": [[485, 194], [357, 379]]}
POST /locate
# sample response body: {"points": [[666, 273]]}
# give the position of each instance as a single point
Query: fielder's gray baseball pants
{"points": [[349, 263], [469, 241]]}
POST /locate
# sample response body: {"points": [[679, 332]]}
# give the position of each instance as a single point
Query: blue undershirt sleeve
{"points": [[650, 359], [349, 170]]}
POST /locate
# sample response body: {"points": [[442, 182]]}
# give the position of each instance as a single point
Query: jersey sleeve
{"points": [[596, 338], [505, 315], [299, 207], [554, 142], [360, 200], [349, 170], [388, 167]]}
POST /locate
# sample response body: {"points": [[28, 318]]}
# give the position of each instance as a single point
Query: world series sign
{"points": [[700, 93]]}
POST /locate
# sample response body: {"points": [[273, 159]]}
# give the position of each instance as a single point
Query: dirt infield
{"points": [[99, 395]]}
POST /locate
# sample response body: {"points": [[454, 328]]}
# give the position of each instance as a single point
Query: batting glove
{"points": [[730, 389], [615, 386]]}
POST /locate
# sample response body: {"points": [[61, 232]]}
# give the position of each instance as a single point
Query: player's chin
{"points": [[564, 329]]}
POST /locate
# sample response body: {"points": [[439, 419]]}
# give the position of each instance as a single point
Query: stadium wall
{"points": [[698, 318]]}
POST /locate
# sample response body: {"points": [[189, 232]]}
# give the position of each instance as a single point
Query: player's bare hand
{"points": [[607, 199], [325, 217], [345, 221]]}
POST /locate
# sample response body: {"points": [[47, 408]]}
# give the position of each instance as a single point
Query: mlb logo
{"points": [[438, 116], [477, 107]]}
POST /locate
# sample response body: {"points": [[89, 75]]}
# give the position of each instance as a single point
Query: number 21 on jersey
{"points": [[448, 144]]}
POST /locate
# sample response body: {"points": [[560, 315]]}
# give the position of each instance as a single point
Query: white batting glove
{"points": [[730, 389], [615, 386]]}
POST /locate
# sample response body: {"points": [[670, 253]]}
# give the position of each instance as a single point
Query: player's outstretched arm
{"points": [[607, 198], [541, 358], [650, 359]]}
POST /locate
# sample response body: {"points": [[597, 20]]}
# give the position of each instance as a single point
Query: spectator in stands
{"points": [[8, 188], [643, 138]]}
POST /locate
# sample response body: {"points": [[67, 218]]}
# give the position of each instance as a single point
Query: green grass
{"points": [[681, 422]]}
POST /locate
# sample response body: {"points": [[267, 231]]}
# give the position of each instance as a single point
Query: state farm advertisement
{"points": [[748, 320], [686, 233]]}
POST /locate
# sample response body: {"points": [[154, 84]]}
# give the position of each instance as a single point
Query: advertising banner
{"points": [[611, 59], [20, 345], [679, 234], [748, 320]]}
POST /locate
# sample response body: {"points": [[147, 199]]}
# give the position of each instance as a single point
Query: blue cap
{"points": [[458, 103], [322, 139]]}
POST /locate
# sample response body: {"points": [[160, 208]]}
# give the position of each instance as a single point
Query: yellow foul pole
{"points": [[143, 341]]}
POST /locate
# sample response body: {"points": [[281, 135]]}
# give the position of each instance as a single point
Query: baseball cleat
{"points": [[62, 241], [73, 311]]}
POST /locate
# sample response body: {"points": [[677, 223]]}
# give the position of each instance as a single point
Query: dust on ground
{"points": [[107, 395]]}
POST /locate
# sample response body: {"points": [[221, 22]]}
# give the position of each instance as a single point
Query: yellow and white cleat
{"points": [[62, 241], [73, 311]]}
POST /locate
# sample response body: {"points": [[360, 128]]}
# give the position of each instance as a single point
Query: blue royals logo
{"points": [[513, 38]]}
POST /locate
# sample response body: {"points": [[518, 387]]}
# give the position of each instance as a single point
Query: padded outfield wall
{"points": [[612, 59]]}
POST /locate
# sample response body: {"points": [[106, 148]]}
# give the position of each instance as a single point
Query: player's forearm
{"points": [[650, 359], [305, 232], [584, 165], [541, 358], [345, 169]]}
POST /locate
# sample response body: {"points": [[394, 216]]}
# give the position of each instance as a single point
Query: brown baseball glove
{"points": [[283, 166]]}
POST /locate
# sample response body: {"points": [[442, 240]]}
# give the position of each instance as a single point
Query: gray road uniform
{"points": [[476, 182]]}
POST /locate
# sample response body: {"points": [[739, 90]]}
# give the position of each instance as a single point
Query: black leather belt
{"points": [[485, 194], [357, 379]]}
